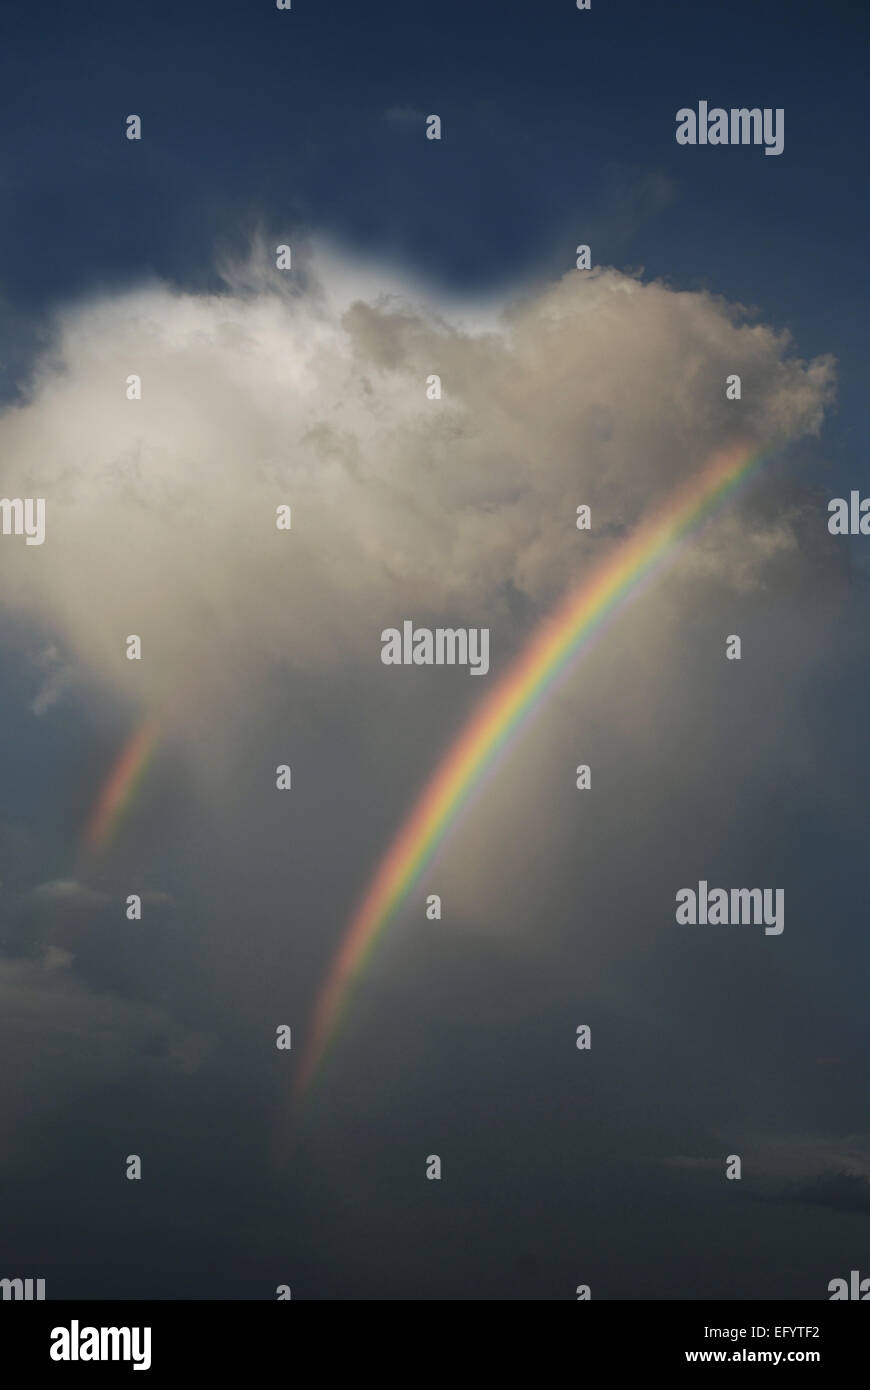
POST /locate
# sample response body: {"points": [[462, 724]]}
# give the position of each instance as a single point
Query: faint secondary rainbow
{"points": [[554, 645], [120, 786]]}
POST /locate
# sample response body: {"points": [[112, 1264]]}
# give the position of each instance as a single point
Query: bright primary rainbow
{"points": [[552, 648]]}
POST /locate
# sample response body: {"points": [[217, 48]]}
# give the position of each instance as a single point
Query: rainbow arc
{"points": [[562, 637]]}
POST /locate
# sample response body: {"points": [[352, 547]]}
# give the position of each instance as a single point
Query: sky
{"points": [[307, 387]]}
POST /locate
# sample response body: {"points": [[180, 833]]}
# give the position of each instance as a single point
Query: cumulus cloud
{"points": [[824, 1170], [66, 890], [57, 678], [815, 1170], [161, 512]]}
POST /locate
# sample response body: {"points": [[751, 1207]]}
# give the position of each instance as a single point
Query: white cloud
{"points": [[57, 678], [160, 512]]}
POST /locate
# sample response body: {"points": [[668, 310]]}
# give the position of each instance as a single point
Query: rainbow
{"points": [[120, 786], [518, 694]]}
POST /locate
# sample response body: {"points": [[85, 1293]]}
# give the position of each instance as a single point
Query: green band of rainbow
{"points": [[553, 646]]}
